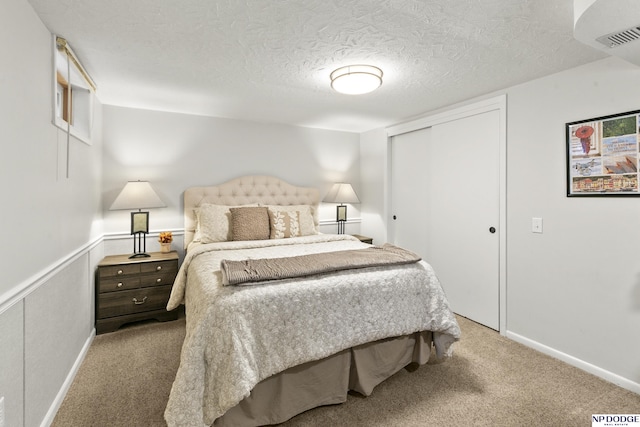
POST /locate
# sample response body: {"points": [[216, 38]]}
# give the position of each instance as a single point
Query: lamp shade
{"points": [[356, 79], [341, 193], [137, 195]]}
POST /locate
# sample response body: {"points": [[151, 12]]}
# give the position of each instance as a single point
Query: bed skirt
{"points": [[327, 381]]}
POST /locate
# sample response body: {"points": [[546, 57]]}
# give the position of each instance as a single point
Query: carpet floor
{"points": [[126, 378]]}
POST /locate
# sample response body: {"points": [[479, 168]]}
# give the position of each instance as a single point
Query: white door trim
{"points": [[496, 103]]}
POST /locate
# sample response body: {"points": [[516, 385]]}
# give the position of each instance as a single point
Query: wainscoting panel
{"points": [[46, 329], [95, 256], [352, 226], [11, 365], [57, 323]]}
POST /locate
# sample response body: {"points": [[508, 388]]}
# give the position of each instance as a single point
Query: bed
{"points": [[261, 351]]}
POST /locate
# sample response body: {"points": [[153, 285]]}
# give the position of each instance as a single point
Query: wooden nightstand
{"points": [[363, 239], [128, 290]]}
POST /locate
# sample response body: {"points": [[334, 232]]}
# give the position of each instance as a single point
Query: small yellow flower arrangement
{"points": [[165, 237], [165, 240]]}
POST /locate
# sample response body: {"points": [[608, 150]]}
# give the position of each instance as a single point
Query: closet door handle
{"points": [[492, 230]]}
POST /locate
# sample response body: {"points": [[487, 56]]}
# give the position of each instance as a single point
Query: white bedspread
{"points": [[239, 335]]}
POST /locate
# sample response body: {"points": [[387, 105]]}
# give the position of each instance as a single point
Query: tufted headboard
{"points": [[246, 190]]}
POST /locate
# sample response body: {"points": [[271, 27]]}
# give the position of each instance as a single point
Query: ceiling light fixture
{"points": [[356, 79]]}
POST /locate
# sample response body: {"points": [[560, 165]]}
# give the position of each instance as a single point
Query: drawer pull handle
{"points": [[120, 284], [119, 271], [158, 268], [158, 280], [136, 302]]}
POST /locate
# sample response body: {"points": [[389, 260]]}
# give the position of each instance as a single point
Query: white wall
{"points": [[573, 291], [576, 287], [46, 215], [51, 224], [176, 151], [373, 167]]}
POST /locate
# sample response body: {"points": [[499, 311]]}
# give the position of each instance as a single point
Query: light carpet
{"points": [[126, 377]]}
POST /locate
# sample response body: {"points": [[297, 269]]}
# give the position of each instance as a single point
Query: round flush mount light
{"points": [[356, 79]]}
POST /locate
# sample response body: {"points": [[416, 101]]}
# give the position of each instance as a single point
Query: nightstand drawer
{"points": [[133, 301], [157, 279], [118, 284], [363, 239], [118, 270], [159, 267]]}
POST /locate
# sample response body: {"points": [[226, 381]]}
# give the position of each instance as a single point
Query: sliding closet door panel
{"points": [[408, 190], [445, 196], [464, 214]]}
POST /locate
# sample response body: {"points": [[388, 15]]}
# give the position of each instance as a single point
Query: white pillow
{"points": [[213, 223], [283, 224], [307, 225]]}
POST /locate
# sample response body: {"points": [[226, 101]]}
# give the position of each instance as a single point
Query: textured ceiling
{"points": [[270, 60]]}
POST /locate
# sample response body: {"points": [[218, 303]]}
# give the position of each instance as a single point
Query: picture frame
{"points": [[341, 213], [139, 222], [603, 155]]}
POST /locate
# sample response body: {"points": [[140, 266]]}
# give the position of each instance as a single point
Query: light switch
{"points": [[536, 225]]}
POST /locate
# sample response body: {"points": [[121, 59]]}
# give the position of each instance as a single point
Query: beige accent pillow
{"points": [[284, 224], [249, 223], [213, 223], [305, 217]]}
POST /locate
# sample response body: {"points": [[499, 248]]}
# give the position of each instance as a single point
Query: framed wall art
{"points": [[602, 155]]}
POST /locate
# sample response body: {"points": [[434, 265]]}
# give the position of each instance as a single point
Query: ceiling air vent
{"points": [[620, 37]]}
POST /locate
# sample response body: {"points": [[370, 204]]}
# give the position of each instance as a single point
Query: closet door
{"points": [[459, 216], [409, 197]]}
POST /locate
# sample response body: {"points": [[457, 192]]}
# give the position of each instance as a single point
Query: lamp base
{"points": [[341, 217], [139, 255], [139, 245]]}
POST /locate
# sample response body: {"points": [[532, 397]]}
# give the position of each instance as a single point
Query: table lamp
{"points": [[341, 193], [138, 195]]}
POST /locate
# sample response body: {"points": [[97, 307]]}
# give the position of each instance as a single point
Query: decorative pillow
{"points": [[249, 223], [213, 223], [305, 217], [284, 224]]}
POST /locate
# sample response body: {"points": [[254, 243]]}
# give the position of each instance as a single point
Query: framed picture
{"points": [[139, 222], [341, 212], [602, 156]]}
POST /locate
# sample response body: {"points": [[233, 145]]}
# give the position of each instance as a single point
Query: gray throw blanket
{"points": [[259, 270]]}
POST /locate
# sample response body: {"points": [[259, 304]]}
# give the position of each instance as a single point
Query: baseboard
{"points": [[578, 363], [57, 402]]}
